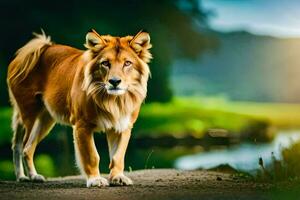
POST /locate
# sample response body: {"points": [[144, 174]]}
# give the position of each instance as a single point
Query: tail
{"points": [[27, 57]]}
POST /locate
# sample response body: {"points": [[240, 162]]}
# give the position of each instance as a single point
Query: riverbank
{"points": [[158, 184]]}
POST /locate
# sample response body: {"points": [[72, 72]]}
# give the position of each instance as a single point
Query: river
{"points": [[244, 156]]}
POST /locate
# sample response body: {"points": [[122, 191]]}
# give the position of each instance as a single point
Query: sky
{"points": [[278, 18]]}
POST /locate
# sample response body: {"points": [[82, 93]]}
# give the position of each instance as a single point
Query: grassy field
{"points": [[195, 115]]}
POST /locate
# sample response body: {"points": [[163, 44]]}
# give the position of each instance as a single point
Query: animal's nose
{"points": [[114, 81]]}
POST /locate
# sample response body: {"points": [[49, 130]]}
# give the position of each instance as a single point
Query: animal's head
{"points": [[117, 65]]}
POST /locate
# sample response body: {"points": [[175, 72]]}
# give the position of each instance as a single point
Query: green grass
{"points": [[281, 115], [44, 164], [6, 170], [183, 117], [287, 168], [5, 125], [195, 115]]}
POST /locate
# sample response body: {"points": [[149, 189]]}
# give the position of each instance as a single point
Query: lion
{"points": [[100, 89]]}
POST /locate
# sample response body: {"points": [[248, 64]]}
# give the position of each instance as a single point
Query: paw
{"points": [[96, 182], [37, 178], [23, 179], [120, 180]]}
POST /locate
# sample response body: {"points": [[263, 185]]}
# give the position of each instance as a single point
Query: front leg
{"points": [[117, 143], [87, 156]]}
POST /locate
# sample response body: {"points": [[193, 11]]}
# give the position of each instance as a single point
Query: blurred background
{"points": [[224, 92]]}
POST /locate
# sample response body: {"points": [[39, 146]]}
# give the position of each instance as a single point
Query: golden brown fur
{"points": [[99, 89]]}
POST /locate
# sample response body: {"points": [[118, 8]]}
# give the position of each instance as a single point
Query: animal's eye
{"points": [[127, 63], [105, 64]]}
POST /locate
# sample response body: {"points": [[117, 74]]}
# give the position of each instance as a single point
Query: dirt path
{"points": [[149, 184]]}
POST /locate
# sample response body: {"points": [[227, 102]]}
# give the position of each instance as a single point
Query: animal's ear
{"points": [[140, 43], [94, 41]]}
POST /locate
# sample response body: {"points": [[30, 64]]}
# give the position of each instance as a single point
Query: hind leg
{"points": [[17, 147], [42, 125]]}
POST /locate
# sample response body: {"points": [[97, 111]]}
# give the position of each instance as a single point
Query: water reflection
{"points": [[244, 156]]}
